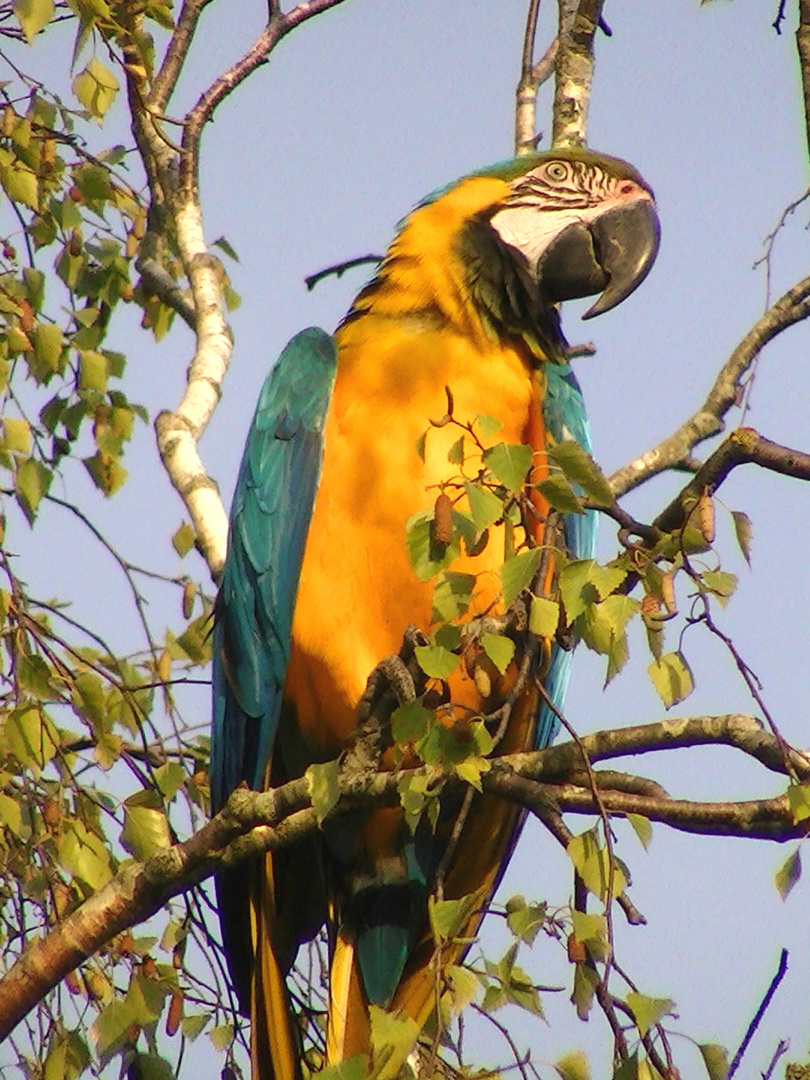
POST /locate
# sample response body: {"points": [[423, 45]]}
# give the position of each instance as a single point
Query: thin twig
{"points": [[752, 1027]]}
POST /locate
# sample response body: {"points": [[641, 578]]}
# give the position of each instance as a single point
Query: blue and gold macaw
{"points": [[318, 588]]}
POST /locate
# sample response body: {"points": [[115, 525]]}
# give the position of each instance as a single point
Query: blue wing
{"points": [[270, 516], [565, 418]]}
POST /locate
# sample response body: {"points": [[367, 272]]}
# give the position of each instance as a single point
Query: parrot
{"points": [[343, 461]]}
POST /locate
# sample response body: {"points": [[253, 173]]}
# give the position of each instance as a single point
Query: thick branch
{"points": [[578, 22], [708, 420], [254, 822], [803, 46]]}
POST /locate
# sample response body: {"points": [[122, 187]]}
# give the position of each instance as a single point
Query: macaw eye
{"points": [[556, 170]]}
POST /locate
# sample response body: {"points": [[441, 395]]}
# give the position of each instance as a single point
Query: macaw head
{"points": [[585, 223]]}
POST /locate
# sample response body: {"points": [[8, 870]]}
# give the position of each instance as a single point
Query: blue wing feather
{"points": [[270, 515], [565, 418]]}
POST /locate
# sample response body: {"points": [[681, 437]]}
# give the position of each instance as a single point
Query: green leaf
{"points": [[544, 616], [744, 530], [799, 799], [32, 15], [146, 827], [510, 463], [499, 649], [31, 736], [436, 661], [83, 854], [517, 574], [523, 919], [576, 589], [193, 1024], [183, 540], [48, 340], [452, 595], [573, 1066], [11, 815], [448, 918], [485, 506], [31, 482], [591, 931], [108, 474], [392, 1038], [170, 777], [93, 371], [225, 246], [324, 788], [788, 874], [642, 828], [352, 1068], [110, 1026], [21, 184], [221, 1036], [150, 1067], [455, 455], [17, 435], [648, 1010], [96, 87], [591, 862], [580, 468], [89, 697], [720, 583], [427, 557], [672, 678], [34, 675], [463, 987], [560, 495], [411, 721], [472, 769], [715, 1058], [488, 425]]}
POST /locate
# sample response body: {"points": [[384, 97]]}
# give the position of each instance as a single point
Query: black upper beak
{"points": [[610, 255]]}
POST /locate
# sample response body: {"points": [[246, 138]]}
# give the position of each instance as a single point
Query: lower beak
{"points": [[610, 255]]}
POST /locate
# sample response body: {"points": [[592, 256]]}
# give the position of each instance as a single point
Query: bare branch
{"points": [[277, 27], [803, 47], [532, 77], [744, 446], [724, 394], [752, 1027]]}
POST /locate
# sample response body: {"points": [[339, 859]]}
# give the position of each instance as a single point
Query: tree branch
{"points": [[532, 77], [708, 420], [579, 20], [253, 822]]}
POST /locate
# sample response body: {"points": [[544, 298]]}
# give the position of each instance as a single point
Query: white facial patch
{"points": [[531, 229]]}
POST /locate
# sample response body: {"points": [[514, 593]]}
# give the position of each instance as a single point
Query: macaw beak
{"points": [[611, 255]]}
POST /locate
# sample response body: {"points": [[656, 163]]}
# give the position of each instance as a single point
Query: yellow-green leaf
{"points": [[96, 87], [573, 1066], [517, 574], [592, 865], [744, 531], [788, 874], [715, 1058], [510, 463], [17, 435], [648, 1010], [499, 649], [544, 616], [799, 799], [21, 184], [485, 506], [436, 661], [83, 854], [672, 678], [324, 789], [32, 15], [48, 340], [642, 828], [93, 371], [580, 468], [183, 539], [146, 827]]}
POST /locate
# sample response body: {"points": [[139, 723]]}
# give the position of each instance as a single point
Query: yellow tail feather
{"points": [[347, 1030], [274, 1049]]}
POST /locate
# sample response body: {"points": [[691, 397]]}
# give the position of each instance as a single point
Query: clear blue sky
{"points": [[358, 115]]}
